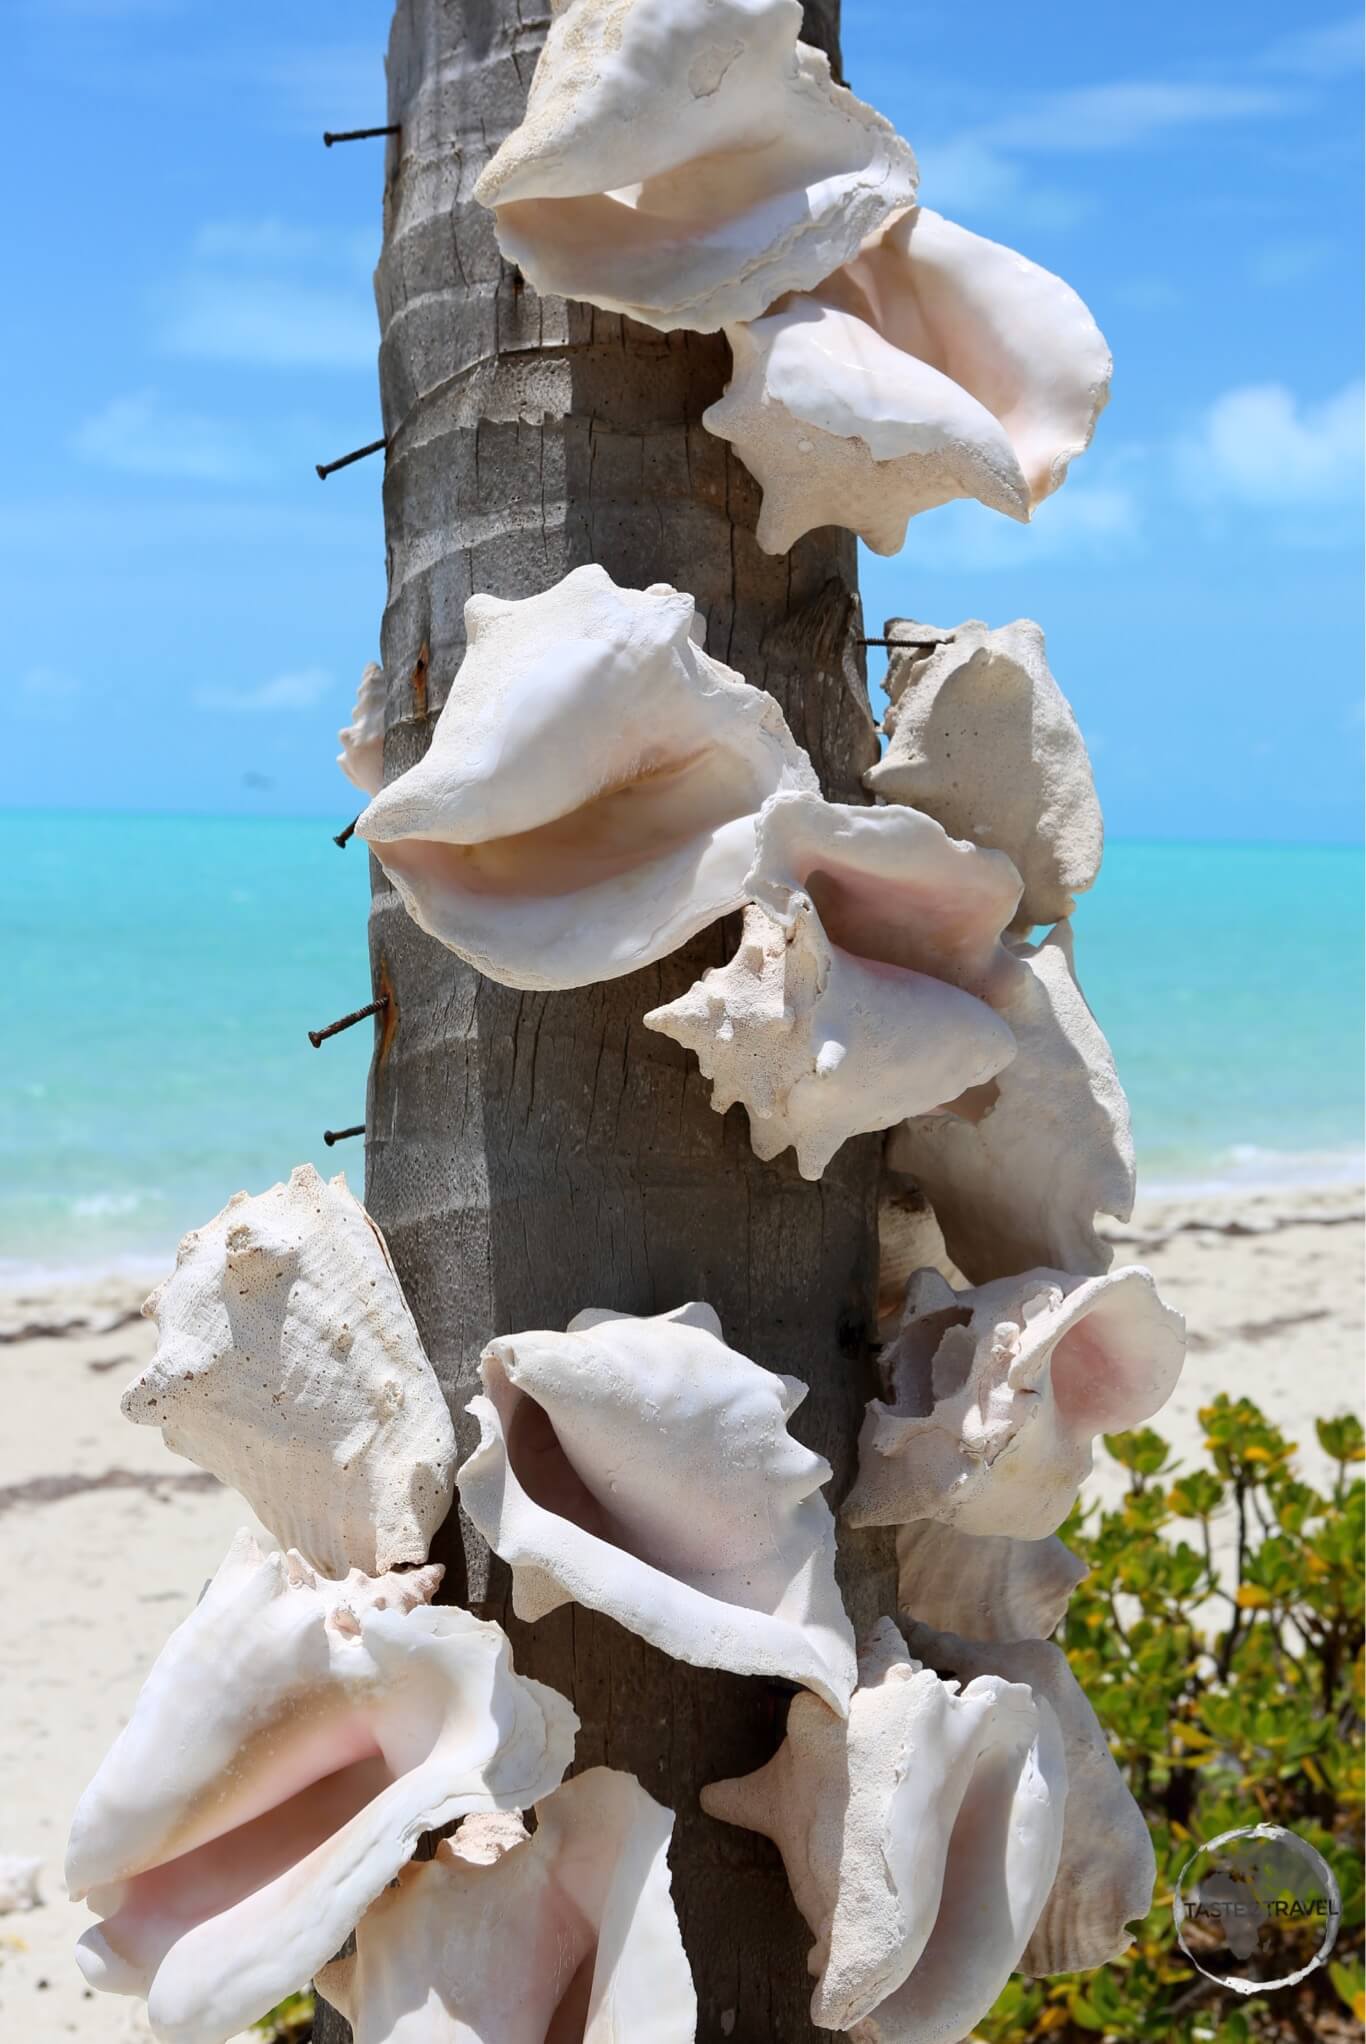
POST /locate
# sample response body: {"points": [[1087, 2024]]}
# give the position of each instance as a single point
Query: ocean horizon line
{"points": [[329, 817], [1249, 1171]]}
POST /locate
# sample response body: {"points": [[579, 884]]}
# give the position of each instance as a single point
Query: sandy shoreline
{"points": [[106, 1538]]}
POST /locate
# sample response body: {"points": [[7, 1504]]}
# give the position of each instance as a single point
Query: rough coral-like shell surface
{"points": [[289, 1365], [688, 161], [1018, 1175], [933, 365], [821, 1045], [588, 801], [293, 1741], [984, 1585], [582, 1910], [1107, 1868], [983, 739], [921, 1839], [642, 1468], [996, 1394], [361, 757]]}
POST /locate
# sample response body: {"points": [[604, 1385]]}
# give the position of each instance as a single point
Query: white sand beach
{"points": [[106, 1538]]}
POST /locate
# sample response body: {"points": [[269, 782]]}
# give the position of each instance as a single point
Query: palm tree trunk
{"points": [[529, 1155]]}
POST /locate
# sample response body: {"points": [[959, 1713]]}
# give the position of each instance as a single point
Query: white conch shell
{"points": [[1107, 1869], [293, 1741], [984, 1585], [516, 1940], [289, 1365], [687, 161], [854, 987], [361, 757], [642, 1468], [821, 1045], [984, 740], [1020, 1186], [588, 800], [921, 1839], [934, 365], [996, 1394], [892, 887]]}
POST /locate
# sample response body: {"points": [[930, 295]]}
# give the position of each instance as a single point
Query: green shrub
{"points": [[1228, 1701], [289, 2023]]}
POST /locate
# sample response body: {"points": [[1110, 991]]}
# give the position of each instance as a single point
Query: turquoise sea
{"points": [[163, 972]]}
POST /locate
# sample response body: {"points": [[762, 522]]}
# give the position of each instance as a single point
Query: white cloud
{"points": [[966, 176], [269, 322], [1103, 117], [141, 435], [300, 690], [1082, 521], [1330, 51], [1259, 445], [975, 170], [267, 243], [271, 293], [44, 693], [1290, 259]]}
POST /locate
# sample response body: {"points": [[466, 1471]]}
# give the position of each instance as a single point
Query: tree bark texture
{"points": [[532, 1154]]}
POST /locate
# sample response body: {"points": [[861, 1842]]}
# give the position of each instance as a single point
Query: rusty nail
{"points": [[344, 837], [318, 1037], [357, 134], [327, 468], [339, 1135]]}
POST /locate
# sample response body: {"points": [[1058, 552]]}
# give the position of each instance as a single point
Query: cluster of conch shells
{"points": [[644, 1469], [860, 993], [361, 757], [921, 1836], [934, 365], [589, 798], [996, 1394], [508, 1939], [597, 790], [689, 161], [294, 1739], [1106, 1868], [1018, 1175], [982, 739], [289, 1365]]}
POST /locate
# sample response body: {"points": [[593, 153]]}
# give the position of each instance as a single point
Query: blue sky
{"points": [[190, 327]]}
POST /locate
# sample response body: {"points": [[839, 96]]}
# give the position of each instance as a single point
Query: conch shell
{"points": [[289, 1365], [1017, 1183], [642, 1468], [361, 757], [934, 365], [984, 740], [687, 161], [997, 1393], [1107, 1868], [510, 1939], [984, 1585], [855, 987], [921, 1838], [291, 1744], [589, 797]]}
